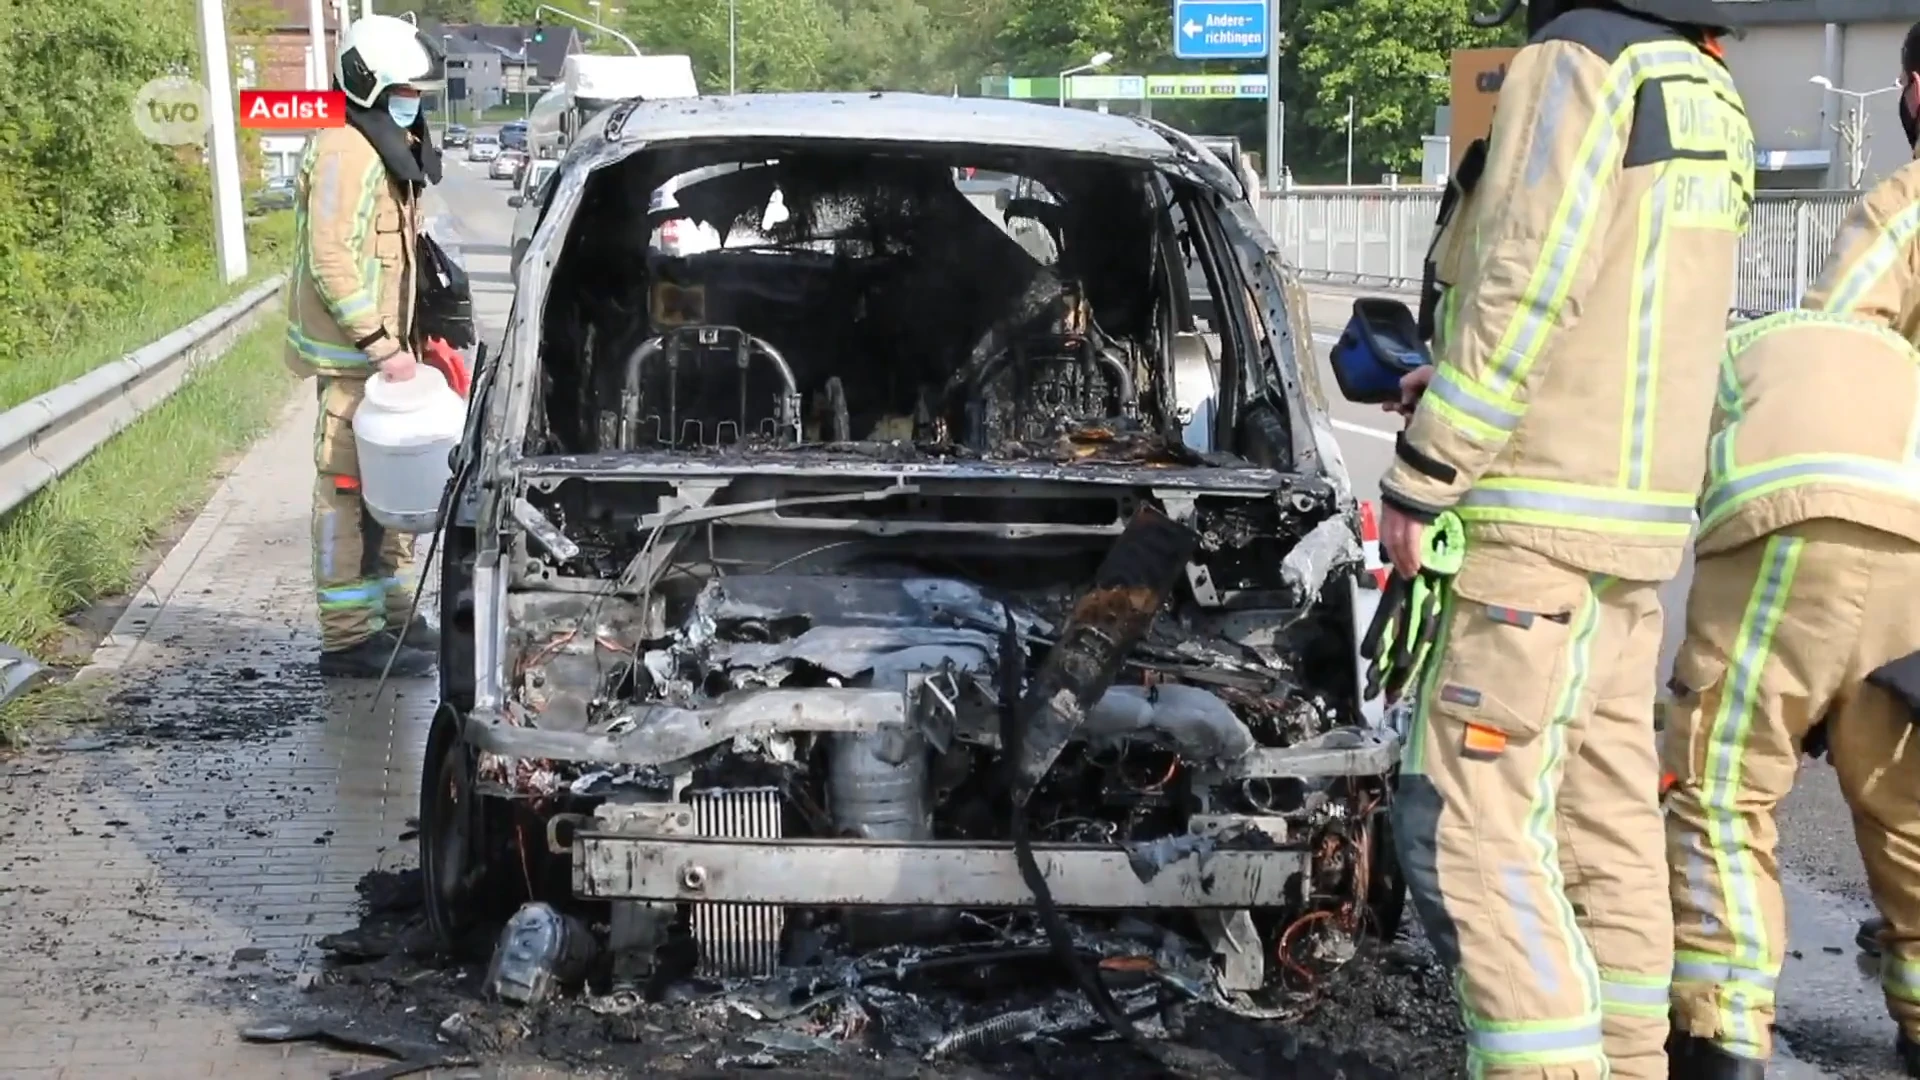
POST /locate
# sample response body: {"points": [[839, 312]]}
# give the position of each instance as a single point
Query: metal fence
{"points": [[1379, 236]]}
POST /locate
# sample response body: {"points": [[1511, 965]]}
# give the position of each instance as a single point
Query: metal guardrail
{"points": [[41, 439], [1379, 237]]}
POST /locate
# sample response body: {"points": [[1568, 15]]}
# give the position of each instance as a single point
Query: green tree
{"points": [[781, 44], [1392, 57], [887, 45], [1041, 37], [90, 211]]}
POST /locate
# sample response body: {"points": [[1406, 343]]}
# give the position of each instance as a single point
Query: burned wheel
{"points": [[454, 855]]}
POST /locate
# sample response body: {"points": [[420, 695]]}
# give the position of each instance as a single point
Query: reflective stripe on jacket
{"points": [[1588, 286], [1874, 268], [353, 275], [1818, 416]]}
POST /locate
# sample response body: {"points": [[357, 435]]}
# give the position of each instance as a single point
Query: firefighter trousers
{"points": [[1528, 820], [1781, 635], [359, 569]]}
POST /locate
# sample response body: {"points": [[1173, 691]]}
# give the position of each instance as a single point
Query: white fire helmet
{"points": [[380, 52]]}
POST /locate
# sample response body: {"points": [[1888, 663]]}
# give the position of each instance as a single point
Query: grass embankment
{"points": [[84, 537]]}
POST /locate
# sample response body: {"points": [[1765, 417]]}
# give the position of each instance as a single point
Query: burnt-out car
{"points": [[873, 566]]}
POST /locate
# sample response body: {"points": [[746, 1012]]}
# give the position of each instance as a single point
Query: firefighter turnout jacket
{"points": [[351, 293], [1818, 412], [1874, 269], [1584, 284]]}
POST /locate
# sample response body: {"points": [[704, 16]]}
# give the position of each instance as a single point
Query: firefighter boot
{"points": [[1692, 1058], [1909, 1052], [421, 635], [1868, 936], [368, 659]]}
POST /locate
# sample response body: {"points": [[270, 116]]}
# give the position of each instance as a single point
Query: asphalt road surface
{"points": [[1831, 1015]]}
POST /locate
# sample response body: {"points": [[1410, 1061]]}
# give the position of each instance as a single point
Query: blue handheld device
{"points": [[1379, 346]]}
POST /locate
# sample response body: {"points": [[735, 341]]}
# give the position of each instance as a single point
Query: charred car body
{"points": [[817, 580]]}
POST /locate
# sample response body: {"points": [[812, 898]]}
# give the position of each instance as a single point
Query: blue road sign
{"points": [[1220, 29]]}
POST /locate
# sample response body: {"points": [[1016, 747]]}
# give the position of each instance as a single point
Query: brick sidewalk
{"points": [[148, 875]]}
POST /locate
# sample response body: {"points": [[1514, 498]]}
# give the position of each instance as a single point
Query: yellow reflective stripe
{"points": [[1729, 844], [359, 594], [1571, 230], [361, 298], [323, 354], [1900, 978], [1746, 333], [1739, 993], [1643, 331], [1873, 263], [1627, 993], [1552, 504], [1544, 812], [1727, 396], [1699, 967], [1530, 1042], [1469, 408], [1729, 490]]}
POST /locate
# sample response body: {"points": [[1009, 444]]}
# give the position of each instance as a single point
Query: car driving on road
{"points": [[832, 574], [504, 164], [484, 146], [457, 135], [276, 194]]}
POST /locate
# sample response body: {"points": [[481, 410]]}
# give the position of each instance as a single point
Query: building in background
{"points": [[496, 65], [1805, 133], [275, 57]]}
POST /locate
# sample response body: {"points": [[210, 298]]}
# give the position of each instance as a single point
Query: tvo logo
{"points": [[172, 111]]}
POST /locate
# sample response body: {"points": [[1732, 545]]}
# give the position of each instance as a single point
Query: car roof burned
{"points": [[900, 119]]}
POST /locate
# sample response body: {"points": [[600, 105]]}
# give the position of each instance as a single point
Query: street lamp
{"points": [[446, 92], [1853, 131], [1349, 140], [584, 21], [1096, 62]]}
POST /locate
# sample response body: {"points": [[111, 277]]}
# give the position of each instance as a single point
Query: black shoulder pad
{"points": [[1605, 31]]}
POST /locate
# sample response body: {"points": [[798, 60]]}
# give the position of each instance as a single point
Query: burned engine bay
{"points": [[878, 577]]}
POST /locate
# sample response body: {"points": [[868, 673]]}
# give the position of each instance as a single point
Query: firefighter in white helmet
{"points": [[350, 312]]}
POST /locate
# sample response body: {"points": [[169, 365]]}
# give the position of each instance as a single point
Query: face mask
{"points": [[404, 110]]}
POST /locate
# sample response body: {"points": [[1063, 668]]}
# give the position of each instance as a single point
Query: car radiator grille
{"points": [[738, 940]]}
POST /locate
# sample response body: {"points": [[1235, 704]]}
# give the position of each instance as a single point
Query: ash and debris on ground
{"points": [[985, 1009], [259, 696]]}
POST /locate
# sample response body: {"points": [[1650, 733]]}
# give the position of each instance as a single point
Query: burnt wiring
{"points": [[1059, 935], [1352, 916]]}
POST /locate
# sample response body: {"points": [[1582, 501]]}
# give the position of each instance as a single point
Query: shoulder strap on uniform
{"points": [[1459, 186]]}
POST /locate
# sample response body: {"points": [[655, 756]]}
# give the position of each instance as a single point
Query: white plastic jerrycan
{"points": [[405, 432]]}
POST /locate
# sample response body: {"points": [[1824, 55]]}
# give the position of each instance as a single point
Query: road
{"points": [[1828, 1004]]}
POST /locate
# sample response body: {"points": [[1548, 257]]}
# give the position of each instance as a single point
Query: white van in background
{"points": [[590, 84]]}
